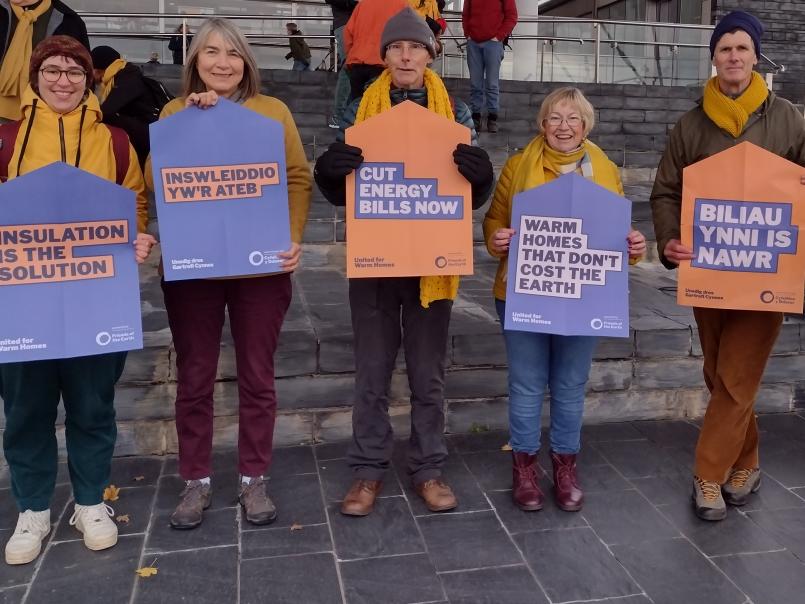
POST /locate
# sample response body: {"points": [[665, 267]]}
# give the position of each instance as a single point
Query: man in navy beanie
{"points": [[736, 344]]}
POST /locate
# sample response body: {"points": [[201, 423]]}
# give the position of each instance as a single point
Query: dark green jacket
{"points": [[776, 126], [299, 48]]}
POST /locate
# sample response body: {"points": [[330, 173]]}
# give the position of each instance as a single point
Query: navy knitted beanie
{"points": [[737, 19]]}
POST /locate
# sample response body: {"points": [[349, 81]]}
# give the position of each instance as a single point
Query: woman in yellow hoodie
{"points": [[537, 360], [221, 64], [62, 122]]}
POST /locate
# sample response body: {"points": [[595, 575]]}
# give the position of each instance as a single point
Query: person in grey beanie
{"points": [[412, 311]]}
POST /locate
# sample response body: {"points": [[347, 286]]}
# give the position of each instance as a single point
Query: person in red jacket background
{"points": [[487, 23]]}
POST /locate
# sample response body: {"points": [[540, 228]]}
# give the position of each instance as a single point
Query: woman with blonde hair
{"points": [[221, 64], [537, 360]]}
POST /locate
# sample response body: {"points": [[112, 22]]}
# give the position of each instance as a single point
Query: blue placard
{"points": [[568, 261], [69, 284], [221, 192]]}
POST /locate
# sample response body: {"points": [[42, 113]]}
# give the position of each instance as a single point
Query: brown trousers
{"points": [[736, 345]]}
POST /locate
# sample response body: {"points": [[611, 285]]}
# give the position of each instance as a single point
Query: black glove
{"points": [[337, 162], [288, 56], [474, 165]]}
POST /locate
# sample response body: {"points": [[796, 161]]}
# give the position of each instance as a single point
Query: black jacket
{"points": [[342, 11], [59, 20], [175, 46], [130, 106]]}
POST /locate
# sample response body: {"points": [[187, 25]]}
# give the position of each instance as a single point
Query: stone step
{"points": [[654, 373]]}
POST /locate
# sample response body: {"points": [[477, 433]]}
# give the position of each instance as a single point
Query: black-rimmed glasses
{"points": [[53, 74]]}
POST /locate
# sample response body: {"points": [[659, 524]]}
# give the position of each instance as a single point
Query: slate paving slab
{"points": [[771, 578], [513, 584], [574, 564], [691, 578], [636, 541]]}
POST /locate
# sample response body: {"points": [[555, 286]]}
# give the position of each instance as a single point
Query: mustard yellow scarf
{"points": [[109, 77], [14, 71], [377, 99], [733, 114], [537, 157]]}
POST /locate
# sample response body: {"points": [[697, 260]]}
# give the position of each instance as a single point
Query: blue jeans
{"points": [[342, 86], [484, 60], [300, 65], [537, 360]]}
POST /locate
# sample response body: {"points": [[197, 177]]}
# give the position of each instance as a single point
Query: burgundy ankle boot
{"points": [[567, 493], [525, 490]]}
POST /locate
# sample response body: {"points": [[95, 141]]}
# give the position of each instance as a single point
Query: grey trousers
{"points": [[385, 313]]}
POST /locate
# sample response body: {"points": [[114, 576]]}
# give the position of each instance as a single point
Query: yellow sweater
{"points": [[297, 167], [97, 154]]}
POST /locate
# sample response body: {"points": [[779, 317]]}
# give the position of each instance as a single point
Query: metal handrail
{"points": [[597, 24], [448, 19]]}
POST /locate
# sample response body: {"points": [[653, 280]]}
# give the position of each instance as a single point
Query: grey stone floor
{"points": [[636, 541]]}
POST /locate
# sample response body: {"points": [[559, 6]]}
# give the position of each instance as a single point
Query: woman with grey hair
{"points": [[221, 64], [537, 360]]}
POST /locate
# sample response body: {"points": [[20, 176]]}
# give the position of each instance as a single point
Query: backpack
{"points": [[159, 94], [120, 148]]}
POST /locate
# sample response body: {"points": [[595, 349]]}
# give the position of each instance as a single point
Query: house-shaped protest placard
{"points": [[568, 271], [741, 214], [409, 211], [68, 275], [221, 192]]}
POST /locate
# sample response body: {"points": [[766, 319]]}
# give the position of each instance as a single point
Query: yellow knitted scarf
{"points": [[554, 160], [426, 8], [377, 99], [14, 71], [733, 114], [109, 74], [537, 156]]}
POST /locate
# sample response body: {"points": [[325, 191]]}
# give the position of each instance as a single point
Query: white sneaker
{"points": [[26, 542], [95, 522]]}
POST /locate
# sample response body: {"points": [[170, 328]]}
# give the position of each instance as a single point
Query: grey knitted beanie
{"points": [[409, 26]]}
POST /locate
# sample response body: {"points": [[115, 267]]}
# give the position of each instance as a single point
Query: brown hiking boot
{"points": [[707, 500], [437, 495], [196, 497], [360, 499], [256, 503], [740, 485]]}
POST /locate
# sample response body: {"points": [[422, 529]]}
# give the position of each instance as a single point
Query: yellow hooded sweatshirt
{"points": [[46, 137]]}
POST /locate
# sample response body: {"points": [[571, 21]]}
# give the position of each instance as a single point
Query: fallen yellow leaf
{"points": [[123, 519], [146, 571], [139, 478], [296, 526], [506, 447], [111, 493]]}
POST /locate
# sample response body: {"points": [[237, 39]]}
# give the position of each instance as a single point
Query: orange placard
{"points": [[409, 211], [742, 210]]}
